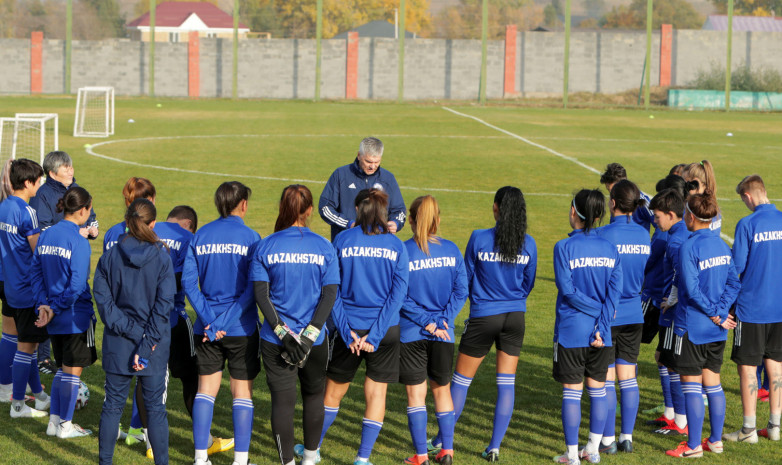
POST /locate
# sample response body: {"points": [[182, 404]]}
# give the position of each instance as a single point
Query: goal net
{"points": [[28, 135], [94, 112]]}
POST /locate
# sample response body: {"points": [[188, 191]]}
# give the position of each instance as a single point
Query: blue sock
{"points": [[69, 392], [54, 408], [416, 423], [665, 383], [8, 345], [571, 415], [34, 379], [631, 397], [369, 433], [677, 396], [203, 409], [243, 424], [446, 421], [21, 373], [503, 410], [716, 411], [460, 384], [329, 416], [695, 412], [610, 428], [135, 418], [597, 410]]}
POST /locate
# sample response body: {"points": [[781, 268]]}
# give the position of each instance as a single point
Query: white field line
{"points": [[547, 149]]}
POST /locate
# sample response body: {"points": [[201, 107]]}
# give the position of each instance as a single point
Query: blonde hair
{"points": [[425, 216], [6, 190], [704, 173]]}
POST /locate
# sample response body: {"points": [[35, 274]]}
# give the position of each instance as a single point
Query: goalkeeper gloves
{"points": [[290, 344]]}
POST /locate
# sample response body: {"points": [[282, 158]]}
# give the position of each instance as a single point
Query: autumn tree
{"points": [[750, 7], [679, 13], [463, 21]]}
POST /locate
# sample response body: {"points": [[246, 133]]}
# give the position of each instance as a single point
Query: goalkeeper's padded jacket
{"points": [[298, 265], [178, 240], [436, 292], [45, 204], [216, 278], [18, 221], [374, 275], [60, 278], [337, 202]]}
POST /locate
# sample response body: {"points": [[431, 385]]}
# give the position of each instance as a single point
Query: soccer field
{"points": [[460, 154]]}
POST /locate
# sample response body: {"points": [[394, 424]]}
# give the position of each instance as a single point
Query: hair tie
{"points": [[701, 163], [687, 207], [577, 212]]}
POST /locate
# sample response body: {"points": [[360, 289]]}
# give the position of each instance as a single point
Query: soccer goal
{"points": [[29, 135], [94, 112]]}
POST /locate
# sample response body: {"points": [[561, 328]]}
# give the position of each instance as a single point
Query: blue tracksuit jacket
{"points": [[216, 278], [337, 202], [642, 215], [18, 222], [634, 247], [134, 289], [708, 286], [111, 236], [757, 254], [654, 274], [374, 276], [60, 278], [496, 288], [676, 237], [588, 274], [436, 291], [178, 240]]}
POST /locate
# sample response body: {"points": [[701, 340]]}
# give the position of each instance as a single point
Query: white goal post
{"points": [[29, 135], [94, 112]]}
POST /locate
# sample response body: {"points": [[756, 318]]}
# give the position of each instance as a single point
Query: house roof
{"points": [[379, 28], [744, 23], [174, 14]]}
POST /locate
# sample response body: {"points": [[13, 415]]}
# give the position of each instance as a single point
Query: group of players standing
{"points": [[392, 305]]}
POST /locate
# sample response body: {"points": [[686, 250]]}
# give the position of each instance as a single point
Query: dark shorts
{"points": [[282, 377], [754, 342], [7, 309], [665, 346], [182, 361], [241, 353], [651, 320], [423, 358], [571, 365], [691, 359], [74, 350], [25, 326], [626, 340], [505, 330], [382, 364]]}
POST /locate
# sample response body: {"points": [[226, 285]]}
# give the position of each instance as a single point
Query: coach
{"points": [[336, 204]]}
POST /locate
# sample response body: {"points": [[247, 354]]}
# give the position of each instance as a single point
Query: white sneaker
{"points": [[771, 432], [6, 391], [53, 426], [43, 404], [202, 462], [739, 436], [69, 430], [19, 410]]}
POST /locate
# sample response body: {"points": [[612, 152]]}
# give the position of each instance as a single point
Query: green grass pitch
{"points": [[188, 147]]}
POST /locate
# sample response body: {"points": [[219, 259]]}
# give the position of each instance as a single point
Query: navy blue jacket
{"points": [[337, 202], [45, 204], [654, 274], [134, 289]]}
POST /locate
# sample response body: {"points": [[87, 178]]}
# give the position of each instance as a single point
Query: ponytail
{"points": [[590, 207], [6, 190], [511, 228], [74, 200], [425, 216], [627, 197], [372, 211], [140, 215], [138, 188], [295, 201], [702, 172]]}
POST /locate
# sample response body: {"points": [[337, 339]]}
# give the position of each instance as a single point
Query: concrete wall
{"points": [[600, 61]]}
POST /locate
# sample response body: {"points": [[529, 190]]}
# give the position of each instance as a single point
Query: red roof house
{"points": [[174, 20]]}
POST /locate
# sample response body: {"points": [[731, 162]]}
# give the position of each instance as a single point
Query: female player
{"points": [[588, 275], [18, 237], [707, 287], [634, 247], [296, 279], [60, 275], [216, 281], [700, 180], [135, 188], [134, 289], [373, 273], [501, 263], [9, 341], [435, 295]]}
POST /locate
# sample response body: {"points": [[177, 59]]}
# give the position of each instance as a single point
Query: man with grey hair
{"points": [[337, 206]]}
